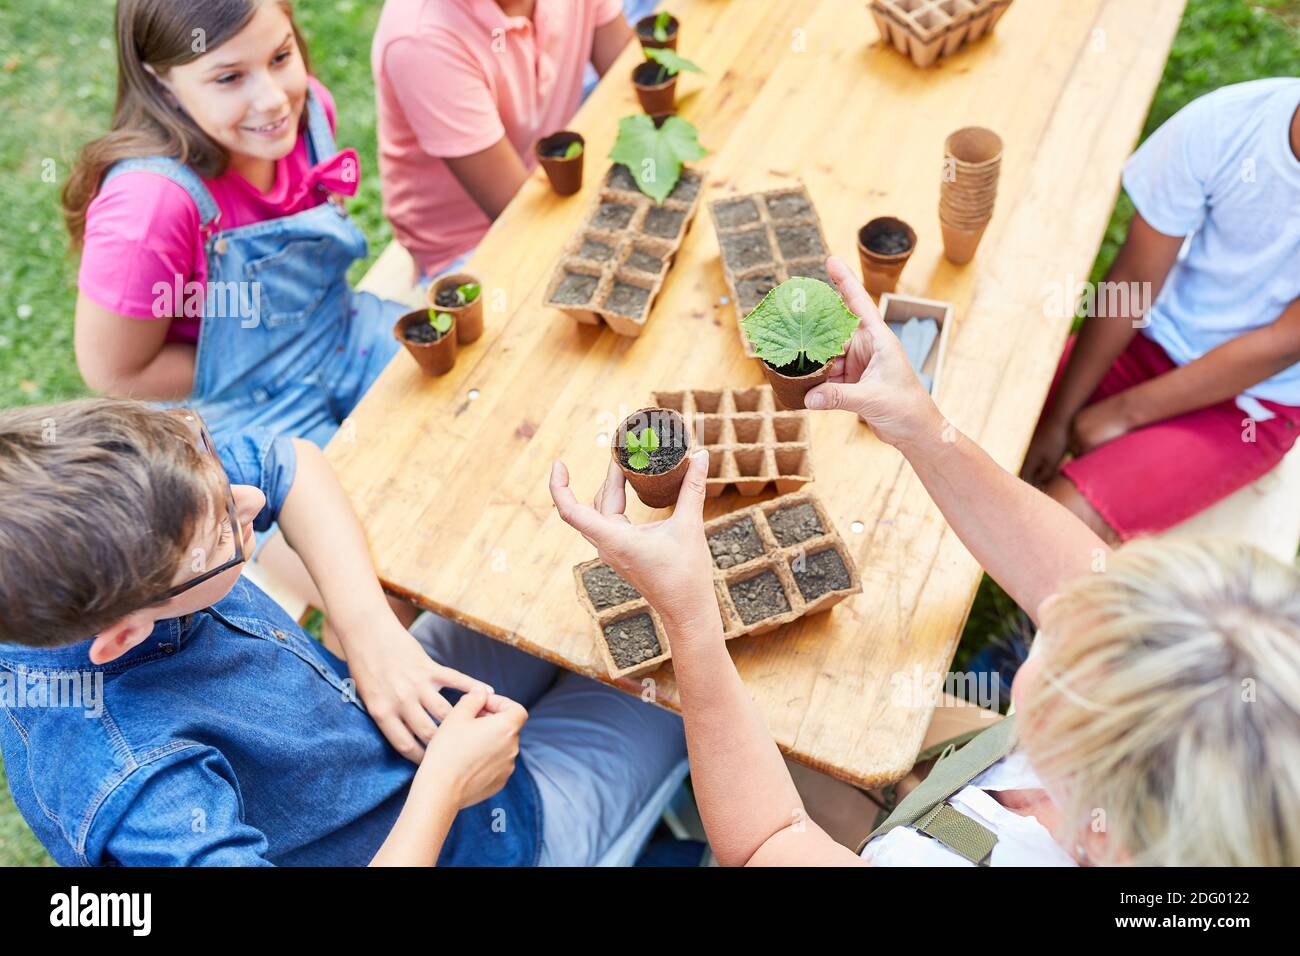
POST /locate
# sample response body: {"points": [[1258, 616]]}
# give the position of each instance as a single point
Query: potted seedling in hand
{"points": [[429, 336], [461, 296], [657, 31], [650, 446], [656, 79], [561, 156], [796, 330]]}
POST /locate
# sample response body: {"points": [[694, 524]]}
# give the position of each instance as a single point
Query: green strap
{"points": [[949, 775], [965, 837]]}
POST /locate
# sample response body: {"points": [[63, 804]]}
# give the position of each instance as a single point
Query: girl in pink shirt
{"points": [[464, 89], [214, 243]]}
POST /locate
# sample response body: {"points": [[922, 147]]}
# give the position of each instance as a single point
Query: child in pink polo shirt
{"points": [[464, 89]]}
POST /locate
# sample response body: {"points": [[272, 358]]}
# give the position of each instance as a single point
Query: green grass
{"points": [[56, 90]]}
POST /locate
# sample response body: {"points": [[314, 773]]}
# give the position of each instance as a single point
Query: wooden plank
{"points": [[452, 488]]}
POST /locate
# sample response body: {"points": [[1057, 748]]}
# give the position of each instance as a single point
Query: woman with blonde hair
{"points": [[1157, 720]]}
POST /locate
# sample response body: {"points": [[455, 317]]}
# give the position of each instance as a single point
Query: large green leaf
{"points": [[670, 60], [801, 316], [654, 156]]}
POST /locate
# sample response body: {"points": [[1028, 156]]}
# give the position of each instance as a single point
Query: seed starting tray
{"points": [[925, 30], [612, 268], [819, 563], [751, 443], [765, 238]]}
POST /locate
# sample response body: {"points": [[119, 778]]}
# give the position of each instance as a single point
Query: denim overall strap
{"points": [[181, 175], [319, 138]]}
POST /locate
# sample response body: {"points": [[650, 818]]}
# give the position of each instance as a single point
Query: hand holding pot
{"points": [[873, 377], [667, 561]]}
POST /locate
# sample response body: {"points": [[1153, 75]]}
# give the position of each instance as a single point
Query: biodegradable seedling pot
{"points": [[645, 32], [959, 244], [657, 97], [973, 149], [884, 246], [469, 316], [658, 482], [435, 354], [564, 172], [790, 383]]}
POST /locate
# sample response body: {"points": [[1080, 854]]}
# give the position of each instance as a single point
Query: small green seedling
{"points": [[639, 448], [441, 321], [574, 149], [670, 64], [662, 20], [802, 320], [467, 293], [654, 154]]}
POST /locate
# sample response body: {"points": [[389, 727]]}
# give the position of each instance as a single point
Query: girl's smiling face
{"points": [[247, 94]]}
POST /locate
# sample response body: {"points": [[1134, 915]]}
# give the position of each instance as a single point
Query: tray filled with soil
{"points": [[752, 444], [760, 583], [926, 30], [765, 238], [626, 243]]}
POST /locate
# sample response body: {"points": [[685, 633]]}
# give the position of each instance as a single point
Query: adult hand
{"points": [[1099, 423], [873, 377], [475, 748], [667, 561], [1046, 449], [400, 685]]}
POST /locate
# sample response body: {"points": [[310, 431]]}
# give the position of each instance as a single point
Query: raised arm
{"points": [[1027, 542]]}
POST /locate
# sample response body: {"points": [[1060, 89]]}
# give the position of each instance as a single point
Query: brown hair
{"points": [[160, 34], [100, 500]]}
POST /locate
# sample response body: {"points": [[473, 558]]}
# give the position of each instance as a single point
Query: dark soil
{"points": [[557, 151], [620, 177], [792, 525], [576, 289], [596, 250], [650, 73], [738, 212], [422, 333], [632, 640], [672, 444], [813, 270], [799, 367], [627, 299], [735, 544], [798, 242], [613, 216], [644, 261], [744, 249], [647, 32], [751, 289], [687, 188], [447, 299], [791, 206], [887, 240], [758, 597], [607, 588], [822, 572], [663, 222]]}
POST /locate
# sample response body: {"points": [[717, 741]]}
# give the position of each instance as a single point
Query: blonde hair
{"points": [[1167, 705]]}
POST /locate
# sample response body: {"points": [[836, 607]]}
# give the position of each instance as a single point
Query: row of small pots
{"points": [[435, 351]]}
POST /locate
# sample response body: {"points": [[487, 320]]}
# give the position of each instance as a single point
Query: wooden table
{"points": [[449, 475]]}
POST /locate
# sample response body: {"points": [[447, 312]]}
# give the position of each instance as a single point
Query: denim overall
{"points": [[285, 344]]}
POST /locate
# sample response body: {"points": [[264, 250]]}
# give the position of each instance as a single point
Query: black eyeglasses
{"points": [[203, 440]]}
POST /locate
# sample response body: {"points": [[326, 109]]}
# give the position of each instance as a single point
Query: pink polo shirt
{"points": [[452, 77]]}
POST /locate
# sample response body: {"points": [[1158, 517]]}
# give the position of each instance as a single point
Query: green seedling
{"points": [[670, 64], [662, 21], [654, 154], [574, 149], [467, 293], [441, 321], [639, 448], [802, 320]]}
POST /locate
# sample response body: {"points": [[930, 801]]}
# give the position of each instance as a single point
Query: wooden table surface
{"points": [[449, 475]]}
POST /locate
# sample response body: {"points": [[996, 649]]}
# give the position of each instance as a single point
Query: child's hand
{"points": [[399, 684], [1050, 442], [1097, 424], [874, 378], [667, 561], [473, 753]]}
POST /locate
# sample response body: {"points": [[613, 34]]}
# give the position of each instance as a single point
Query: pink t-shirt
{"points": [[452, 77], [143, 229]]}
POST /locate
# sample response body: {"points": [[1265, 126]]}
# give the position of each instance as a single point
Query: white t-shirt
{"points": [[1022, 841], [1222, 170]]}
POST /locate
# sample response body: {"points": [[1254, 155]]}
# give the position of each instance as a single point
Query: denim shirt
{"points": [[227, 737]]}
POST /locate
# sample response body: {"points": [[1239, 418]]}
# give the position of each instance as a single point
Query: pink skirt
{"points": [[1155, 477]]}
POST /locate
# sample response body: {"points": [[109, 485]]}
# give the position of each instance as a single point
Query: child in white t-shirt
{"points": [[1186, 387]]}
